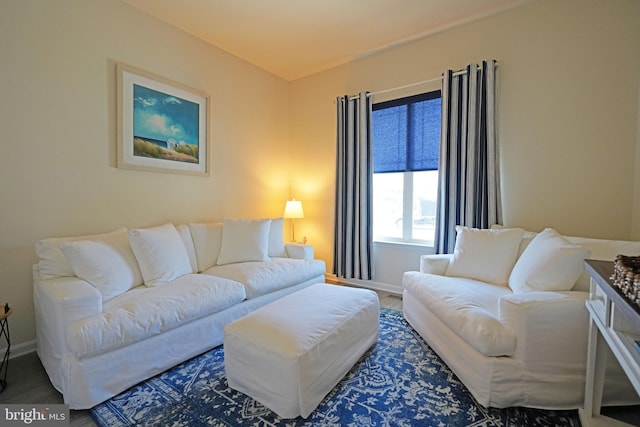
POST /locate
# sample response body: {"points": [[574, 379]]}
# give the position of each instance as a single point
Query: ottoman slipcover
{"points": [[289, 354]]}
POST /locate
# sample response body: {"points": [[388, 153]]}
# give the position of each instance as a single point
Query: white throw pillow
{"points": [[161, 254], [276, 238], [244, 240], [485, 255], [53, 263], [549, 263], [100, 264]]}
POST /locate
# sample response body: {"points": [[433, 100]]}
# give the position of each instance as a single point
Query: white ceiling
{"points": [[296, 38]]}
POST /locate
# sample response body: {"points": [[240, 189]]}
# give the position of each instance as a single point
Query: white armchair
{"points": [[508, 346]]}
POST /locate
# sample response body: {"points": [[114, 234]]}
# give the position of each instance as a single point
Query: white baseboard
{"points": [[369, 284], [21, 349]]}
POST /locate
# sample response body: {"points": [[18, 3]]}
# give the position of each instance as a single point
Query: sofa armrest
{"points": [[59, 303], [434, 264], [549, 326], [299, 251]]}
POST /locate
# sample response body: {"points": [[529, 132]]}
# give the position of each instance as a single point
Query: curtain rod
{"points": [[455, 73]]}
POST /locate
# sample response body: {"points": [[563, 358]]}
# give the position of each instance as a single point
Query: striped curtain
{"points": [[353, 221], [469, 183]]}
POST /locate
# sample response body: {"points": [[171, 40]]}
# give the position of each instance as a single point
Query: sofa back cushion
{"points": [[244, 240], [549, 263], [53, 263], [207, 241], [600, 249], [100, 264], [185, 235], [276, 238], [161, 254], [485, 255], [604, 250], [207, 238]]}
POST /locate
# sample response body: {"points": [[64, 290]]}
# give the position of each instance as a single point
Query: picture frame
{"points": [[162, 125]]}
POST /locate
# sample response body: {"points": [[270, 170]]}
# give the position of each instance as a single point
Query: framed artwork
{"points": [[163, 126]]}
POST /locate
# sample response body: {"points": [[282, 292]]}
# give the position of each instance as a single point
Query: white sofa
{"points": [[506, 312], [117, 308]]}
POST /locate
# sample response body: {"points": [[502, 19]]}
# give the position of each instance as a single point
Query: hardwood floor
{"points": [[27, 381]]}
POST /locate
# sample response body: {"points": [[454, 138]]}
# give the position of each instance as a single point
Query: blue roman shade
{"points": [[406, 133]]}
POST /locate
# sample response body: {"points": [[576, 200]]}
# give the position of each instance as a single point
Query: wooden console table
{"points": [[615, 322]]}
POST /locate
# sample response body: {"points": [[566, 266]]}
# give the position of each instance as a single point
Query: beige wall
{"points": [[57, 133], [568, 124], [568, 114]]}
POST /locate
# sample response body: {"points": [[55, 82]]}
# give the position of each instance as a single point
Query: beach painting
{"points": [[162, 125]]}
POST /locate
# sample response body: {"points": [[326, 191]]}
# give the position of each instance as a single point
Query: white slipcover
{"points": [[513, 349], [94, 349], [289, 354]]}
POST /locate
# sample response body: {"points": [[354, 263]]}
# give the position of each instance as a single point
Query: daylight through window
{"points": [[406, 144]]}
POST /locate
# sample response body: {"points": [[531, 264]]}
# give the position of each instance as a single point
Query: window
{"points": [[406, 144]]}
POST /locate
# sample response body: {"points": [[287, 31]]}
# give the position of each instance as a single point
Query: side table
{"points": [[614, 323], [4, 332]]}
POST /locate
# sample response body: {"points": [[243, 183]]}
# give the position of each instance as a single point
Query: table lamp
{"points": [[293, 210]]}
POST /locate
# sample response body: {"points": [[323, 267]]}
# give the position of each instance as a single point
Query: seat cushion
{"points": [[261, 278], [147, 311], [468, 307]]}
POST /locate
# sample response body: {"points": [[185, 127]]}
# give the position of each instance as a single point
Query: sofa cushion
{"points": [[261, 278], [207, 238], [160, 253], [549, 263], [468, 307], [185, 235], [144, 312], [53, 263], [276, 238], [244, 240], [527, 237], [100, 264], [604, 250], [485, 255]]}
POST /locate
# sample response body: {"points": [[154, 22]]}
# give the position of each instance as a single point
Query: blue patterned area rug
{"points": [[399, 382]]}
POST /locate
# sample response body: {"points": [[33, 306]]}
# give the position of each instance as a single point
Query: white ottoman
{"points": [[289, 354]]}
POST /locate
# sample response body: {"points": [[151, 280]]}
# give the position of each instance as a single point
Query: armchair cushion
{"points": [[485, 255], [549, 263], [468, 307]]}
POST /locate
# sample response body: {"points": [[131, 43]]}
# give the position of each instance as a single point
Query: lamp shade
{"points": [[293, 209]]}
